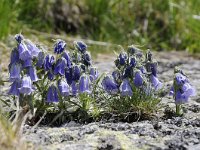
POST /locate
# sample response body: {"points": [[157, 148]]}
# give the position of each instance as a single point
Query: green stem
{"points": [[178, 110]]}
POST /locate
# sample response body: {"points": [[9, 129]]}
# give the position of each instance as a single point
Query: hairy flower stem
{"points": [[178, 110]]}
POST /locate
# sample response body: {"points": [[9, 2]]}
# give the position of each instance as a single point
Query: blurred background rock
{"points": [[156, 24]]}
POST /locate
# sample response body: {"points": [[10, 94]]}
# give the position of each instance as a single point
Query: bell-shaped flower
{"points": [[138, 79], [32, 73], [109, 85], [84, 84], [86, 59], [116, 75], [74, 88], [81, 46], [59, 46], [68, 75], [122, 58], [15, 70], [68, 59], [32, 48], [14, 57], [154, 67], [14, 89], [127, 72], [40, 59], [24, 53], [155, 82], [125, 88], [19, 38], [27, 63], [180, 79], [50, 75], [52, 94], [26, 86], [93, 73], [76, 72], [48, 62], [63, 88], [60, 66], [132, 62]]}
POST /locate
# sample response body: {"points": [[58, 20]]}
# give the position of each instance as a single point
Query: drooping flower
{"points": [[50, 75], [14, 57], [34, 50], [52, 94], [155, 82], [40, 59], [24, 53], [68, 59], [48, 62], [60, 66], [127, 72], [93, 73], [59, 46], [76, 72], [68, 75], [81, 46], [26, 86], [122, 58], [84, 84], [116, 76], [15, 70], [125, 88], [63, 88], [109, 85], [32, 73], [19, 38], [14, 89], [86, 59], [138, 79], [27, 63], [133, 62], [182, 89], [74, 88]]}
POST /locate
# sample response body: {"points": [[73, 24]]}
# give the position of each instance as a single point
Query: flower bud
{"points": [[81, 46]]}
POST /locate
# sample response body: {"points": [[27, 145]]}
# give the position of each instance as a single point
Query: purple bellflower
{"points": [[15, 70], [155, 82], [63, 88], [68, 75], [14, 89], [14, 57], [132, 62], [125, 88], [84, 84], [93, 73], [74, 88], [60, 66], [24, 53], [48, 62], [81, 46], [26, 86], [34, 50], [59, 46], [109, 85], [27, 63], [40, 59], [32, 73], [138, 80], [86, 59], [122, 58], [76, 72], [52, 94], [68, 59]]}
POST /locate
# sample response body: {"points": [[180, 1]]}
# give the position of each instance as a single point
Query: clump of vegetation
{"points": [[64, 84]]}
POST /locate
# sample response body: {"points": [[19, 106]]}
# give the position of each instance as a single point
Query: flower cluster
{"points": [[57, 75], [132, 71], [181, 89], [21, 68]]}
